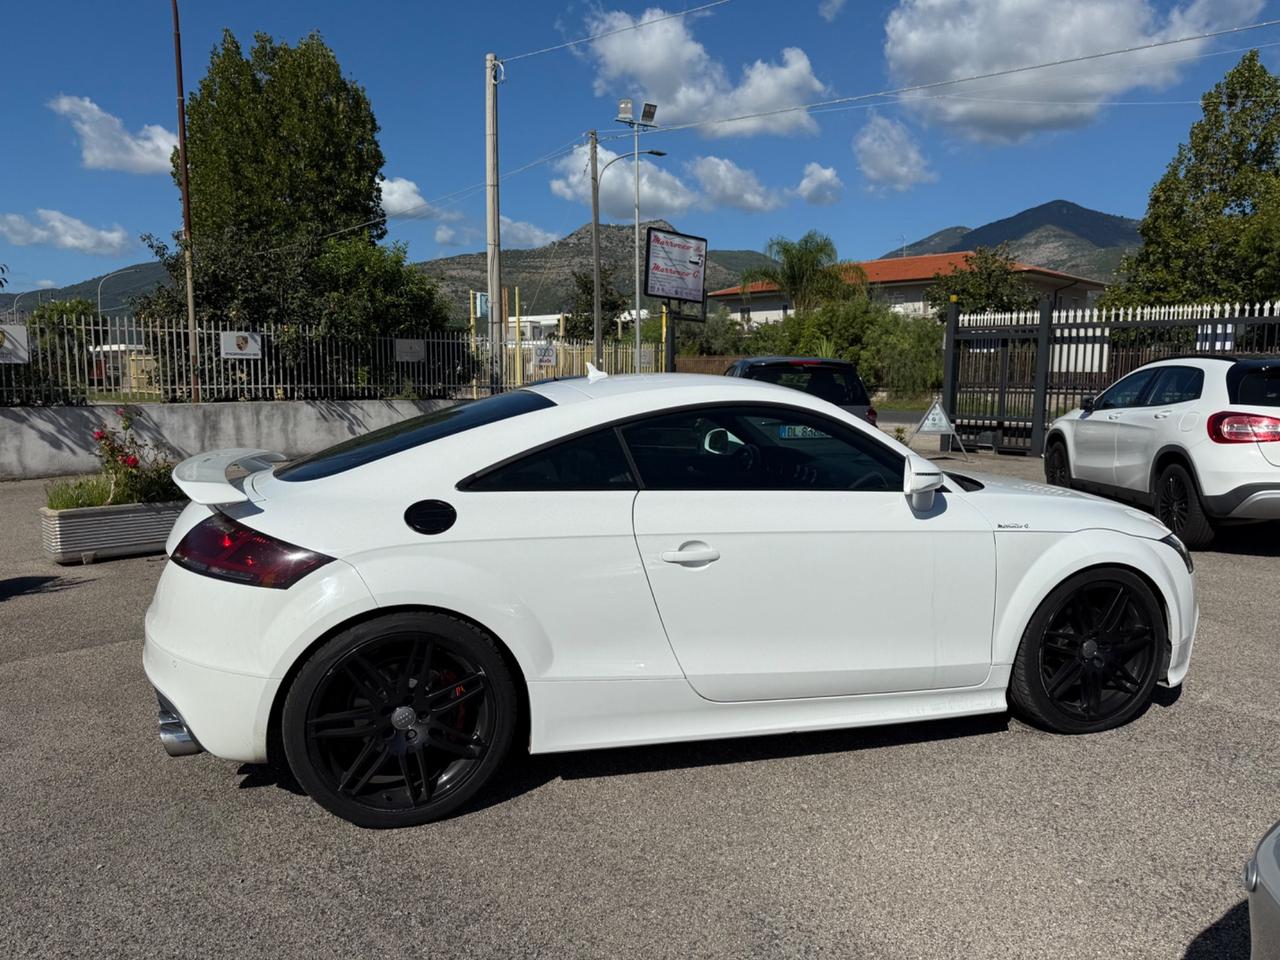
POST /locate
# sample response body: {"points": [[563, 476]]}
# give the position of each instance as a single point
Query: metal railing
{"points": [[85, 360], [1009, 375]]}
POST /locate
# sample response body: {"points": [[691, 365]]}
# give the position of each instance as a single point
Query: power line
{"points": [[901, 92], [610, 33]]}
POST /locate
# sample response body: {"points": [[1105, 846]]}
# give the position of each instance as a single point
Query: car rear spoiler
{"points": [[203, 477]]}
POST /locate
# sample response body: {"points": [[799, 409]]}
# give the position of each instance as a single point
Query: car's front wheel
{"points": [[400, 720], [1057, 468], [1091, 655]]}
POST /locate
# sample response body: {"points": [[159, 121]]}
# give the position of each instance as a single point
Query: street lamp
{"points": [[15, 302], [597, 333], [627, 116], [104, 280]]}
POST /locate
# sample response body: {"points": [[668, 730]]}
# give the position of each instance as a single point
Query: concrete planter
{"points": [[86, 534]]}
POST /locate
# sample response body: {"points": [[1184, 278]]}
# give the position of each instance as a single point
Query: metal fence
{"points": [[1006, 376], [84, 360]]}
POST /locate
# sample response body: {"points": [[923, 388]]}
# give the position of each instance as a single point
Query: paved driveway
{"points": [[981, 838]]}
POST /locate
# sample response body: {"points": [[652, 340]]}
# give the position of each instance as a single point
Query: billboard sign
{"points": [[675, 266]]}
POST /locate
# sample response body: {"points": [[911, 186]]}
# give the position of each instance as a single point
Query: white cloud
{"points": [[661, 194], [519, 233], [446, 236], [889, 157], [401, 197], [930, 40], [106, 145], [674, 70], [56, 229], [828, 10], [45, 284], [820, 186], [725, 184]]}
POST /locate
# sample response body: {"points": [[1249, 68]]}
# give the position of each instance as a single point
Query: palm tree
{"points": [[807, 271]]}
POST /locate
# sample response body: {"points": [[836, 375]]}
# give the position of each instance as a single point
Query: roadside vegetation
{"points": [[132, 472]]}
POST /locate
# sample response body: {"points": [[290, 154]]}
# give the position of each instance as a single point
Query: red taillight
{"points": [[221, 548], [871, 415], [1229, 427]]}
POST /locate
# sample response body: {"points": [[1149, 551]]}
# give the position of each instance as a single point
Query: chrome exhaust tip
{"points": [[175, 736]]}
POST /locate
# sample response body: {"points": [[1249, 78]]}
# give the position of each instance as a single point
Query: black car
{"points": [[835, 381]]}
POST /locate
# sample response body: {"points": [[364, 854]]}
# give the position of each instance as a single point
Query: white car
{"points": [[604, 562], [1194, 439]]}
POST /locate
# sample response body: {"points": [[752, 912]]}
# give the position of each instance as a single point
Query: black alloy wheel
{"points": [[401, 720], [1057, 468], [1178, 507], [1091, 656]]}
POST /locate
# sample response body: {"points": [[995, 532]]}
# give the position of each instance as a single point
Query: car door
{"points": [[787, 563], [1094, 456], [1142, 430]]}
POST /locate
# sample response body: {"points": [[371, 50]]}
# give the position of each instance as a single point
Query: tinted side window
{"points": [[758, 448], [1259, 387], [412, 433], [1176, 385], [1127, 392], [594, 461]]}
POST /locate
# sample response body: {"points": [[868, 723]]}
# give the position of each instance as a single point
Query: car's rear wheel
{"points": [[1090, 656], [1177, 504], [400, 720], [1057, 468]]}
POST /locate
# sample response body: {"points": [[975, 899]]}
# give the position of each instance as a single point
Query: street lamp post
{"points": [[597, 332], [104, 280], [15, 302], [627, 116]]}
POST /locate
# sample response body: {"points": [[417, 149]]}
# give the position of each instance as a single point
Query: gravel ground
{"points": [[967, 839]]}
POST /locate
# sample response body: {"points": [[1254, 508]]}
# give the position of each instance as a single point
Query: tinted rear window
{"points": [[836, 384], [412, 433], [1255, 386]]}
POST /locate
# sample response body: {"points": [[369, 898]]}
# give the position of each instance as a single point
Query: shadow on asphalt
{"points": [[22, 586], [527, 773], [1247, 540], [1226, 939]]}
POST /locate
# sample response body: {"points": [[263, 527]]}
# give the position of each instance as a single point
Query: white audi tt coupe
{"points": [[611, 561]]}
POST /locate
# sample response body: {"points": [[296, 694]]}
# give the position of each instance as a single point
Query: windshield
{"points": [[412, 433], [834, 383]]}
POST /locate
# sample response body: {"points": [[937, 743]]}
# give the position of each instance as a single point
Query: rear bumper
{"points": [[216, 710], [1252, 501]]}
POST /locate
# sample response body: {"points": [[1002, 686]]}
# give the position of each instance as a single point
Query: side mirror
{"points": [[921, 481], [716, 441], [1087, 404]]}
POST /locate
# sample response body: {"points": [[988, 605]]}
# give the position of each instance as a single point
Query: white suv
{"points": [[1195, 439]]}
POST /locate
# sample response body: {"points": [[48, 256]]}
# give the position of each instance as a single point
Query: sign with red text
{"points": [[675, 266]]}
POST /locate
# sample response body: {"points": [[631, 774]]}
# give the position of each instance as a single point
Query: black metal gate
{"points": [[1007, 376]]}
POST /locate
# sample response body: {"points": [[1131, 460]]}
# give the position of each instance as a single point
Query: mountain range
{"points": [[1059, 235]]}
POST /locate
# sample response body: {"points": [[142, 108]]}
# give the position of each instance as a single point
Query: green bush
{"points": [[67, 494], [132, 472]]}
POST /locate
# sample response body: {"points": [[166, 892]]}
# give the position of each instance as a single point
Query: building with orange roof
{"points": [[901, 282]]}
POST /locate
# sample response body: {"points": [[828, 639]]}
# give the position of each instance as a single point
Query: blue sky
{"points": [[89, 119]]}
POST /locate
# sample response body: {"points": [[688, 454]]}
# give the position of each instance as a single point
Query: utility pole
{"points": [[192, 350], [596, 332], [497, 333], [902, 238]]}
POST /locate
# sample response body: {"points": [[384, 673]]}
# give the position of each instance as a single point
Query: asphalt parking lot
{"points": [[968, 839]]}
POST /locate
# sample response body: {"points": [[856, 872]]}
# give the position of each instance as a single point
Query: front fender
{"points": [[1029, 565]]}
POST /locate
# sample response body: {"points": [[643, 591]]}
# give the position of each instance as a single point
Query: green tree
{"points": [[837, 330], [988, 281], [1205, 231], [283, 151], [720, 335], [807, 271], [580, 324]]}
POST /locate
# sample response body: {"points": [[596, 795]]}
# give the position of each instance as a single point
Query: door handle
{"points": [[1163, 414], [690, 554]]}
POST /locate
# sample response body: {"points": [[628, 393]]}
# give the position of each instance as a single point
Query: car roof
{"points": [[578, 389]]}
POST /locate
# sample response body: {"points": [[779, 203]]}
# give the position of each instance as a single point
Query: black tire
{"points": [[1090, 657], [1057, 467], [1177, 505], [400, 720]]}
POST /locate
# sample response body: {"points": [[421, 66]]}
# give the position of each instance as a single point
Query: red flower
{"points": [[99, 435], [131, 461], [119, 411]]}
